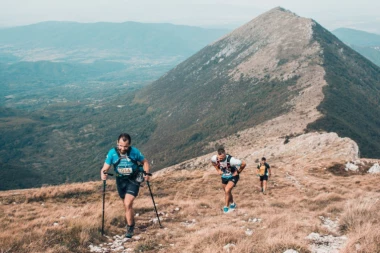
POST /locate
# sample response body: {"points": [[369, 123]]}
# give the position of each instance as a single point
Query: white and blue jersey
{"points": [[228, 171], [124, 165]]}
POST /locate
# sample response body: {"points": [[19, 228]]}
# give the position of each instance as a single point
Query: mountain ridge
{"points": [[266, 71]]}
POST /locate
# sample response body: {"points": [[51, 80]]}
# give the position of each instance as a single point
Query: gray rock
{"points": [[290, 251], [229, 246], [374, 169], [326, 243], [351, 167], [249, 232]]}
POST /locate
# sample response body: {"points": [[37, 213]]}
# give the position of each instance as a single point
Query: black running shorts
{"points": [[127, 185], [234, 179], [264, 178]]}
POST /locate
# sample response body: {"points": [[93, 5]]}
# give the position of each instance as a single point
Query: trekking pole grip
{"points": [[106, 173], [147, 173]]}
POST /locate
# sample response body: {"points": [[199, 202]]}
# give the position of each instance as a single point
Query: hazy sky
{"points": [[207, 13]]}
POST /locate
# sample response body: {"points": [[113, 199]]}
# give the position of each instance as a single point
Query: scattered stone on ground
{"points": [[189, 223], [374, 169], [229, 247], [291, 251], [326, 243], [254, 220], [351, 167], [116, 244], [249, 232], [331, 225]]}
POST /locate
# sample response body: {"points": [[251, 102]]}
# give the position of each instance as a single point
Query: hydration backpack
{"points": [[137, 173], [229, 167]]}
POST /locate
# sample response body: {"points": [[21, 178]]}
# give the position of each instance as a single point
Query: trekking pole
{"points": [[151, 194], [104, 195]]}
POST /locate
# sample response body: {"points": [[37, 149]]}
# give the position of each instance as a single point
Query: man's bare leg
{"points": [[129, 213], [228, 193]]}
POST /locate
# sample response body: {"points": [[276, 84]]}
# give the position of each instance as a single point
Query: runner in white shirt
{"points": [[227, 167]]}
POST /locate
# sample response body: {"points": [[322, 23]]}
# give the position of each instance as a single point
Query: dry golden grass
{"points": [[189, 203], [360, 220]]}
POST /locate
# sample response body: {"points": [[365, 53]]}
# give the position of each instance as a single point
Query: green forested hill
{"points": [[367, 44]]}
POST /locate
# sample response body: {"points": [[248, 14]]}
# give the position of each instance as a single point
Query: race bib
{"points": [[125, 171]]}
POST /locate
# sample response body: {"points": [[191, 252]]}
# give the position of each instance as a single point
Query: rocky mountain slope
{"points": [[280, 73]]}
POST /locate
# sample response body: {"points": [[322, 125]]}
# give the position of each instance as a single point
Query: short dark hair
{"points": [[124, 137], [221, 151], [263, 159]]}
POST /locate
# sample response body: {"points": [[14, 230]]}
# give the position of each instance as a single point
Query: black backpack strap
{"points": [[233, 168], [228, 161], [118, 161]]}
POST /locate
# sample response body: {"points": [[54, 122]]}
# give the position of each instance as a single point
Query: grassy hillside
{"points": [[352, 96], [340, 208]]}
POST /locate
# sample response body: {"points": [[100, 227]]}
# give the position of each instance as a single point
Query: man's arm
{"points": [[146, 168], [269, 170], [105, 168], [242, 166], [217, 168]]}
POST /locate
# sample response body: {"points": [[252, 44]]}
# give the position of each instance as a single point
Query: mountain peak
{"points": [[276, 34], [268, 75], [277, 20], [278, 9]]}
